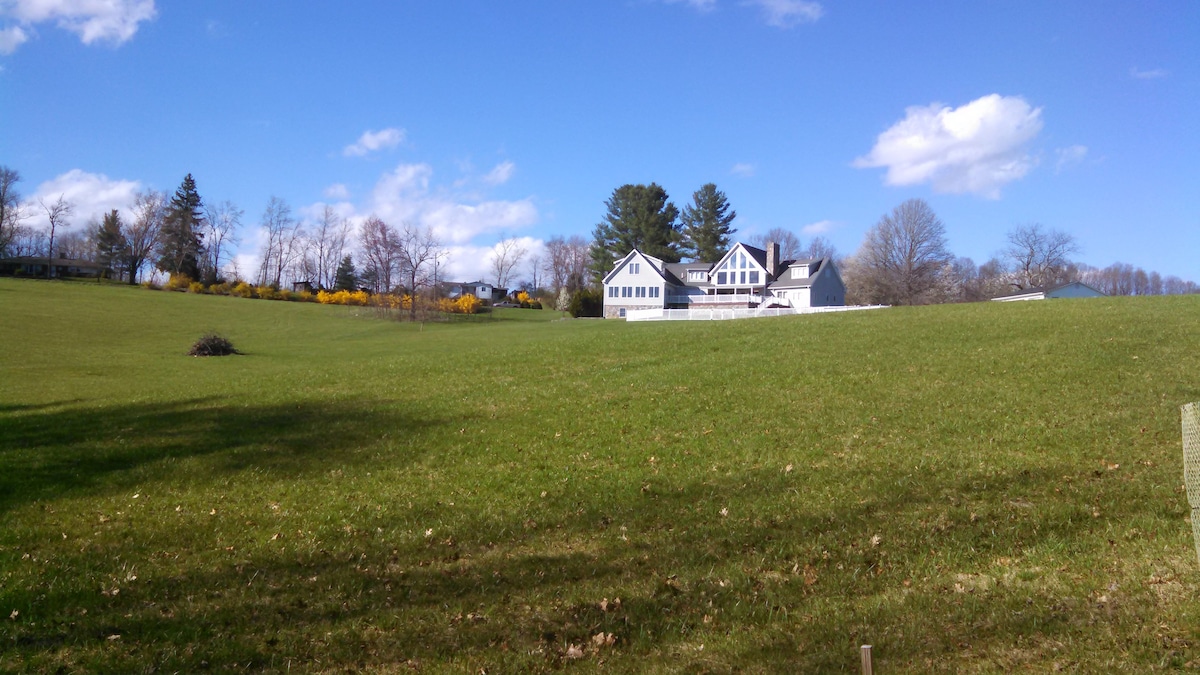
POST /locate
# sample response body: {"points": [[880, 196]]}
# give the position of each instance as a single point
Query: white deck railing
{"points": [[728, 299]]}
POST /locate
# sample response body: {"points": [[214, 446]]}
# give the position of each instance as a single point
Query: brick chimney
{"points": [[772, 260]]}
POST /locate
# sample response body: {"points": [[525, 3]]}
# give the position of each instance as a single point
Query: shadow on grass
{"points": [[786, 589], [47, 452]]}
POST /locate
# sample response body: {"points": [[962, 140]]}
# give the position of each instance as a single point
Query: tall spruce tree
{"points": [[112, 249], [641, 217], [706, 225], [180, 241], [346, 277]]}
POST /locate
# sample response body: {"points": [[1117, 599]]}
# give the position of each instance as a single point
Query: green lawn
{"points": [[970, 489]]}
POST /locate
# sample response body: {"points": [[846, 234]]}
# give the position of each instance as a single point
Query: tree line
{"points": [[904, 258]]}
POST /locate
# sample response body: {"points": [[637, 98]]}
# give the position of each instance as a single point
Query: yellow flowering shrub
{"points": [[196, 287], [178, 282], [242, 290], [524, 298], [343, 298], [468, 304]]}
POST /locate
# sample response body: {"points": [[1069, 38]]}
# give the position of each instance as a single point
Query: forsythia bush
{"points": [[343, 298], [196, 287], [464, 304], [223, 288], [524, 298], [242, 290], [266, 292], [178, 282]]}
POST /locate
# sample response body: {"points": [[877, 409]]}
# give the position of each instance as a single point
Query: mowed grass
{"points": [[969, 489]]}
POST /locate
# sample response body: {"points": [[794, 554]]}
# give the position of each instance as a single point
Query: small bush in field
{"points": [[223, 288], [197, 287], [212, 345], [178, 282], [266, 293]]}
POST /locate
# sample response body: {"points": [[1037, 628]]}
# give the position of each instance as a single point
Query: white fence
{"points": [[706, 314]]}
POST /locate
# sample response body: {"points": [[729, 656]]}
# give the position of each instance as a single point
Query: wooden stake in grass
{"points": [[866, 660]]}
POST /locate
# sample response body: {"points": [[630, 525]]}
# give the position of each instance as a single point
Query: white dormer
{"points": [[697, 275], [800, 271]]}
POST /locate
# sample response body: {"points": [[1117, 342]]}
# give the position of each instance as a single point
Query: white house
{"points": [[1074, 289], [480, 289], [745, 276]]}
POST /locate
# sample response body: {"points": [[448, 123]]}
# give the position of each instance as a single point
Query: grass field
{"points": [[970, 489]]}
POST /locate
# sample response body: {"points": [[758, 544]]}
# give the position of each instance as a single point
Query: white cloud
{"points": [[742, 169], [1153, 73], [500, 174], [112, 21], [404, 195], [976, 148], [819, 227], [11, 38], [371, 141], [1069, 156], [337, 191], [788, 13], [92, 194]]}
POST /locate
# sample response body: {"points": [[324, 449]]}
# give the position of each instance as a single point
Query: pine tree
{"points": [[641, 217], [180, 242], [111, 246], [346, 278], [706, 225]]}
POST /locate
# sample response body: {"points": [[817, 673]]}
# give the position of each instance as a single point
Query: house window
{"points": [[612, 291], [721, 277], [695, 275], [621, 312], [800, 272], [743, 277], [742, 260], [625, 291], [754, 277], [654, 291], [640, 292], [635, 268]]}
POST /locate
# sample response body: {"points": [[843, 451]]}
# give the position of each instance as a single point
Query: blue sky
{"points": [[486, 119]]}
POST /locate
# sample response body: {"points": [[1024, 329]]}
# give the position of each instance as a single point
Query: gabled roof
{"points": [[1046, 292], [655, 264], [816, 267], [756, 254]]}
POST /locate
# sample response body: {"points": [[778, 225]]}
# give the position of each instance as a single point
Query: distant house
{"points": [[746, 276], [1075, 289], [486, 292], [34, 266]]}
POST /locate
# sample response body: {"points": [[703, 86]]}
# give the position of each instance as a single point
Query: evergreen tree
{"points": [[180, 242], [641, 217], [111, 246], [346, 277], [706, 230]]}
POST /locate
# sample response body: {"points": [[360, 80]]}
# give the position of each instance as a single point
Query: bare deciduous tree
{"points": [[420, 251], [221, 224], [566, 262], [790, 247], [820, 247], [1039, 255], [326, 247], [380, 252], [506, 255], [141, 233], [11, 211], [283, 235], [57, 213], [902, 257]]}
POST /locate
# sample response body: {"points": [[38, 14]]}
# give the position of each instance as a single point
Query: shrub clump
{"points": [[212, 345]]}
